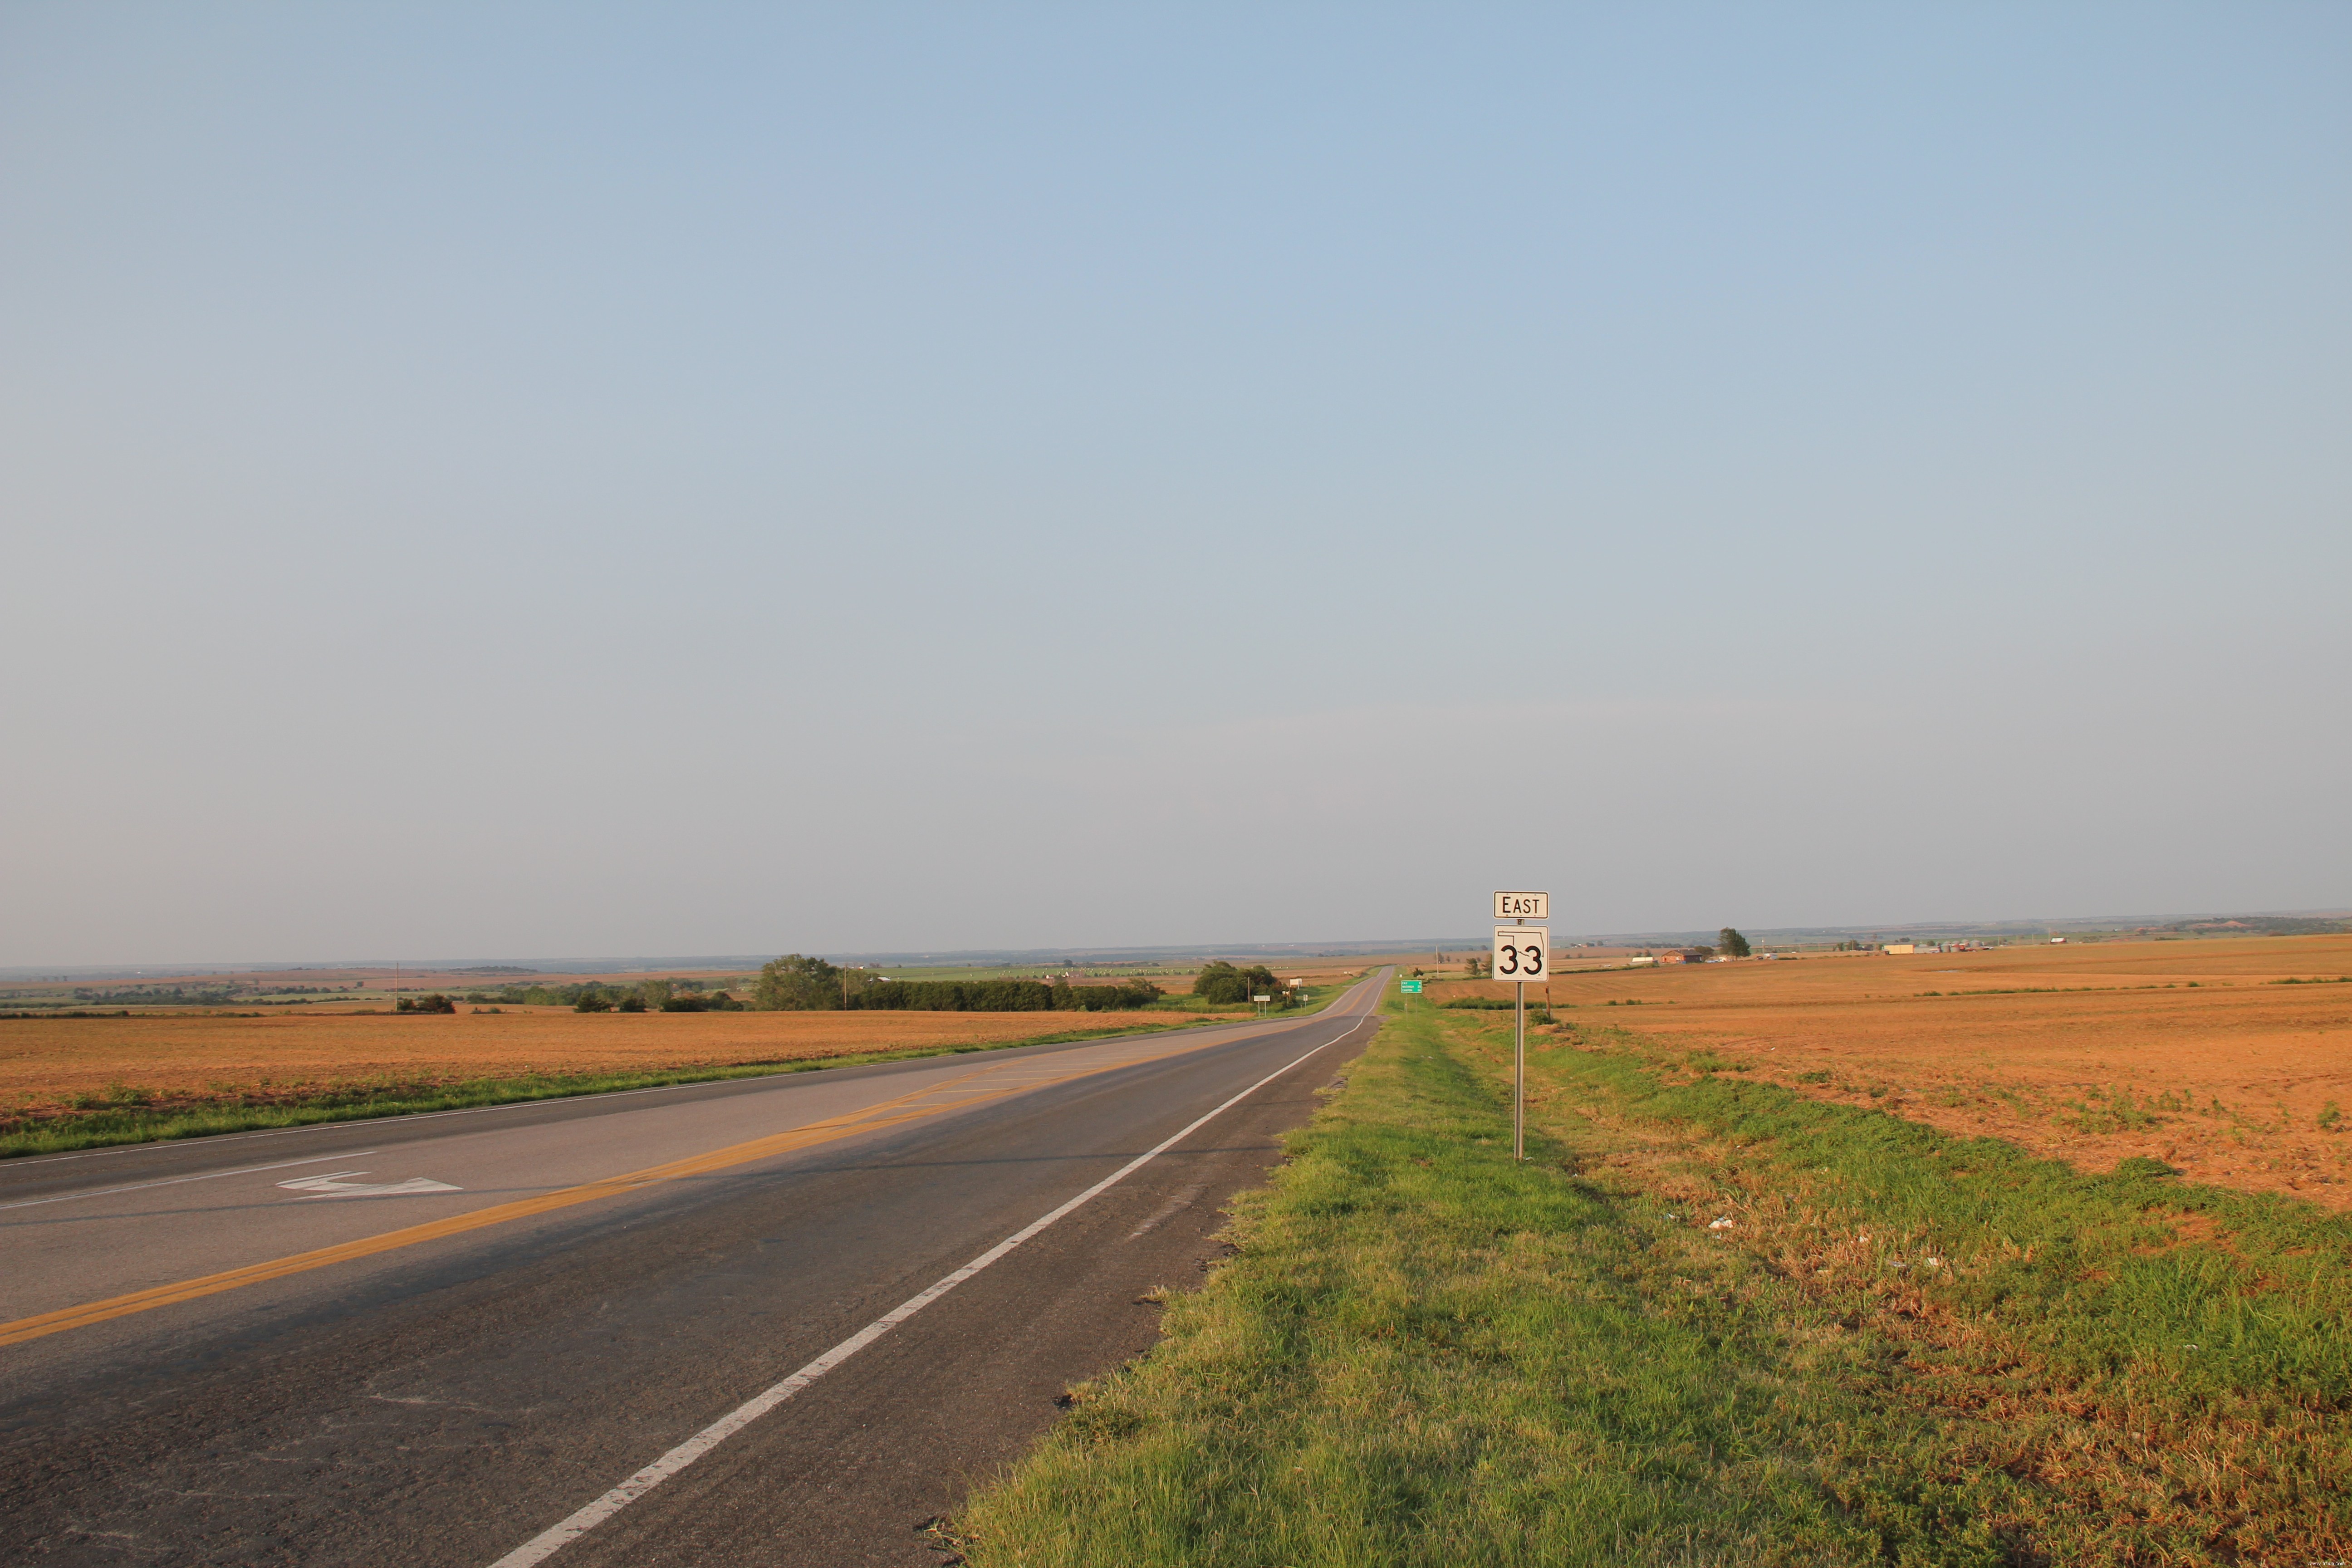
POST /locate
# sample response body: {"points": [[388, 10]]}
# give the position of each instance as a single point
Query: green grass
{"points": [[1902, 1347], [125, 1119]]}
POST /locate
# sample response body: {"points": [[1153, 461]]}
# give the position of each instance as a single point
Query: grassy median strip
{"points": [[1709, 1321], [133, 1122]]}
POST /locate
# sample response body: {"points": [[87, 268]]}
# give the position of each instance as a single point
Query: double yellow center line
{"points": [[928, 1101]]}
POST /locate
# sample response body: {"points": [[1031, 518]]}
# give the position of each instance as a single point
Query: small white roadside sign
{"points": [[1522, 954]]}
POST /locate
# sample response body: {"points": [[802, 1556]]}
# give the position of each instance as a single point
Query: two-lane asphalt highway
{"points": [[772, 1320]]}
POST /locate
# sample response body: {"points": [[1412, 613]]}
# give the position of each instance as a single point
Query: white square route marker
{"points": [[1522, 954]]}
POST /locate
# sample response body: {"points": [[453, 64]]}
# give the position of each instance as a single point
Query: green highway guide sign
{"points": [[1411, 984]]}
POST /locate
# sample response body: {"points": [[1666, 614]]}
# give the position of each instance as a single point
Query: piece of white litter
{"points": [[1934, 1263], [1674, 1217], [1721, 1223], [1862, 1235]]}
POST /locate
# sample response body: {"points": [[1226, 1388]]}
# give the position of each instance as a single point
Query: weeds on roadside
{"points": [[1711, 1321]]}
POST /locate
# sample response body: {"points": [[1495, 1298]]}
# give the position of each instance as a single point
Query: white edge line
{"points": [[175, 1181], [548, 1541]]}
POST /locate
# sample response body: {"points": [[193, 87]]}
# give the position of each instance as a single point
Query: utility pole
{"points": [[1519, 1070]]}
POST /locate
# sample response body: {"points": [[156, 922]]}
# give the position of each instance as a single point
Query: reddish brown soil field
{"points": [[2193, 1052], [49, 1062]]}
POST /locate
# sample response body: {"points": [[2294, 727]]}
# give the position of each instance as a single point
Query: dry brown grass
{"points": [[47, 1063], [2189, 1052]]}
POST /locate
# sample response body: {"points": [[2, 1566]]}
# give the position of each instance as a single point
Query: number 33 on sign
{"points": [[1522, 953]]}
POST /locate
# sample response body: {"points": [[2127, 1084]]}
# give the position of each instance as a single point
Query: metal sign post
{"points": [[1523, 952]]}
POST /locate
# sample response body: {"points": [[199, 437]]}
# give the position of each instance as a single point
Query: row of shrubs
{"points": [[1220, 983], [796, 982], [1002, 996], [595, 999], [653, 997]]}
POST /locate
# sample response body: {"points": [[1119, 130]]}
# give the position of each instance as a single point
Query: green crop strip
{"points": [[1709, 1321]]}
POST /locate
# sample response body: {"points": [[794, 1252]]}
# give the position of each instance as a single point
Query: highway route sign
{"points": [[1523, 906], [1412, 985], [1522, 954]]}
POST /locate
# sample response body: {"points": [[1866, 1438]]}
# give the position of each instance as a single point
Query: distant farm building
{"points": [[1900, 947]]}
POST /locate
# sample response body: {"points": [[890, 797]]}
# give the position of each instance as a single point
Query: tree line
{"points": [[1221, 984], [653, 996], [799, 983]]}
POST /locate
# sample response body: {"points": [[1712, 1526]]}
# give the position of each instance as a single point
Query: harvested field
{"points": [[50, 1065], [2231, 1060]]}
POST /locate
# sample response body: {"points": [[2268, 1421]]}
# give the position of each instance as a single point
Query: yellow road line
{"points": [[889, 1113]]}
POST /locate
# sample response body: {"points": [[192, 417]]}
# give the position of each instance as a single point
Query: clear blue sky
{"points": [[519, 480]]}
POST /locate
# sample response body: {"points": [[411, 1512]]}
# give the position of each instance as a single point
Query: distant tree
{"points": [[1221, 984], [656, 994], [591, 1000], [632, 1003], [1731, 944], [796, 982], [435, 1003], [1479, 965]]}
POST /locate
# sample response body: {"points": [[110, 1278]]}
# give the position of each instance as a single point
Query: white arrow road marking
{"points": [[332, 1185], [175, 1181]]}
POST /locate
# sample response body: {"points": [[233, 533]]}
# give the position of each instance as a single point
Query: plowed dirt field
{"points": [[2231, 1059], [47, 1063]]}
